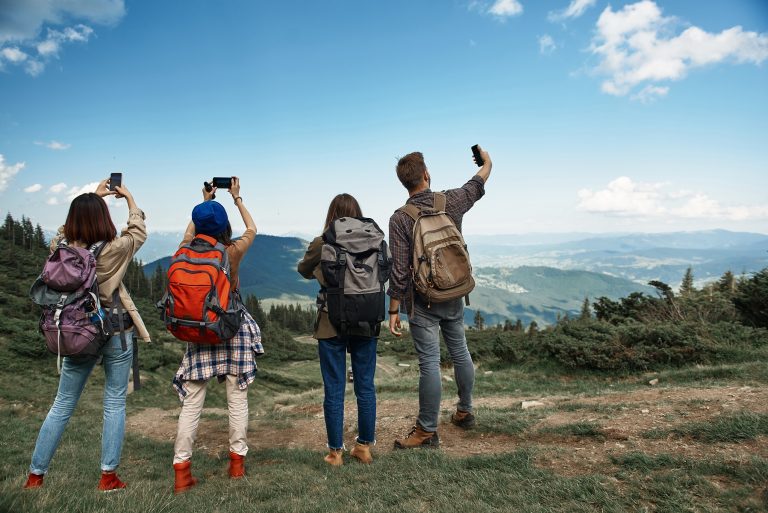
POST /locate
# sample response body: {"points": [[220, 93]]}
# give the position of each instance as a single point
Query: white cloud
{"points": [[650, 93], [575, 9], [625, 198], [8, 171], [637, 47], [59, 187], [22, 23], [506, 8], [54, 145], [13, 54], [546, 44], [76, 191], [22, 20], [53, 200], [33, 188]]}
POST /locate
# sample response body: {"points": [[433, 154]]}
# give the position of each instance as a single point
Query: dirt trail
{"points": [[622, 417]]}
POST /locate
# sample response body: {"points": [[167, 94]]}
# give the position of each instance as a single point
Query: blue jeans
{"points": [[74, 374], [333, 366], [426, 325]]}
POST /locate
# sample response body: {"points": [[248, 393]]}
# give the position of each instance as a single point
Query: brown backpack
{"points": [[440, 262]]}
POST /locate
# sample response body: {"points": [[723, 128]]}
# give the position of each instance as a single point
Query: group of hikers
{"points": [[425, 264]]}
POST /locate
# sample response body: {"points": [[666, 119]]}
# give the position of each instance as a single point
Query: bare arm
{"points": [[234, 190], [485, 171]]}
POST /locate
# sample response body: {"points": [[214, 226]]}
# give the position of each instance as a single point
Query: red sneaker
{"points": [[34, 481], [109, 482]]}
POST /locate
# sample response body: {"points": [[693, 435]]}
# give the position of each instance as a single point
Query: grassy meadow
{"points": [[638, 412]]}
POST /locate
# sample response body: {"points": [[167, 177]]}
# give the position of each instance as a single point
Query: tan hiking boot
{"points": [[418, 437], [463, 419], [362, 452], [334, 457]]}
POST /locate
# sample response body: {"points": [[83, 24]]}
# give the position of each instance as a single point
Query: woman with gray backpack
{"points": [[351, 262], [79, 288]]}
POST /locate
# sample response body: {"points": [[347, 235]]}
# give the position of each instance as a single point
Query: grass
{"points": [[734, 427], [297, 480]]}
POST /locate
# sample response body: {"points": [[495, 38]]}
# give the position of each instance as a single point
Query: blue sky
{"points": [[599, 116]]}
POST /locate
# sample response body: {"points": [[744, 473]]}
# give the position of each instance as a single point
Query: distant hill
{"points": [[533, 281], [268, 269], [637, 257], [540, 293]]}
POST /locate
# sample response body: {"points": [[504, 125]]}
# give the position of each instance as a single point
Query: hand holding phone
{"points": [[477, 156], [115, 180]]}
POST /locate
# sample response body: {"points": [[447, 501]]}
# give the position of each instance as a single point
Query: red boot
{"points": [[184, 479], [34, 481], [109, 482], [236, 465]]}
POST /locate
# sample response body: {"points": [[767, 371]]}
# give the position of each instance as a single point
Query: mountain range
{"points": [[522, 276]]}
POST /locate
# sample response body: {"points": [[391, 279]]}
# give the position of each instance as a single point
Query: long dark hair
{"points": [[88, 220], [343, 205]]}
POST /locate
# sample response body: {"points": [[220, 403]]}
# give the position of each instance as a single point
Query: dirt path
{"points": [[622, 417]]}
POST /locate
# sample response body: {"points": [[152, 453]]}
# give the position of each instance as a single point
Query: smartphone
{"points": [[222, 182], [115, 180], [476, 154]]}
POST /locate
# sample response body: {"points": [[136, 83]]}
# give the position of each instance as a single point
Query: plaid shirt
{"points": [[457, 203], [236, 356]]}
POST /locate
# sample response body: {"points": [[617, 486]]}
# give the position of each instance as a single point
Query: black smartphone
{"points": [[222, 182], [115, 180], [476, 154]]}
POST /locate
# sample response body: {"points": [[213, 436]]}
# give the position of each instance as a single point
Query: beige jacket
{"points": [[113, 263]]}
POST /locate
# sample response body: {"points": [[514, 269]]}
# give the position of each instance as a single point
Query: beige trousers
{"points": [[189, 419]]}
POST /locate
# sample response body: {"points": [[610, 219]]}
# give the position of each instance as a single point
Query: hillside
{"points": [[540, 294]]}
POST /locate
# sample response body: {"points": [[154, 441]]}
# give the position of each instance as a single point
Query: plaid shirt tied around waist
{"points": [[236, 356]]}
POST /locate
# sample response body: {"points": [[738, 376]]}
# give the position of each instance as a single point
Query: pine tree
{"points": [[479, 321], [518, 326], [586, 313], [533, 328], [508, 325], [686, 288], [727, 283]]}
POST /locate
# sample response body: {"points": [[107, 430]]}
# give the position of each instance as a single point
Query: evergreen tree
{"points": [[40, 241], [586, 313], [518, 326], [727, 283], [686, 287], [508, 325], [479, 321], [533, 328]]}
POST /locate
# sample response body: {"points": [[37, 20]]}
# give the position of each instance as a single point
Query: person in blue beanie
{"points": [[232, 361]]}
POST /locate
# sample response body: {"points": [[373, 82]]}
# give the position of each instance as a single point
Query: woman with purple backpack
{"points": [[89, 225]]}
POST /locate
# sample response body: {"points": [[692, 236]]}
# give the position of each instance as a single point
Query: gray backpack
{"points": [[356, 263]]}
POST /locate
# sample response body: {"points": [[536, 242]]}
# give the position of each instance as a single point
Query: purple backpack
{"points": [[73, 322]]}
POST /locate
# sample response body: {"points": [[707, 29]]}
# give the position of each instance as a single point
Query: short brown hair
{"points": [[343, 205], [410, 170], [88, 220]]}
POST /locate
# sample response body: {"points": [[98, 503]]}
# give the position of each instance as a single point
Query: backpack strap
{"points": [[412, 210], [439, 201], [341, 262]]}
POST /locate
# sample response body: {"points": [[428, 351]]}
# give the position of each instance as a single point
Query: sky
{"points": [[620, 116]]}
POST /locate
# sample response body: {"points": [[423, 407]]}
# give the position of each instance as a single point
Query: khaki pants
{"points": [[189, 419]]}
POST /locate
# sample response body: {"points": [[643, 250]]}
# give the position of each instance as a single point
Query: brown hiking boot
{"points": [[418, 437], [362, 452], [333, 457], [463, 419]]}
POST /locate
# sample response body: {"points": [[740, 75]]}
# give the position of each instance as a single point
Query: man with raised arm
{"points": [[426, 316]]}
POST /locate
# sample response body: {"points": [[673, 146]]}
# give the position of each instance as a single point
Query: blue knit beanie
{"points": [[210, 218]]}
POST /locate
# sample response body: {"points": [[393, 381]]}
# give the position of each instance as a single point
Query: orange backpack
{"points": [[199, 304]]}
